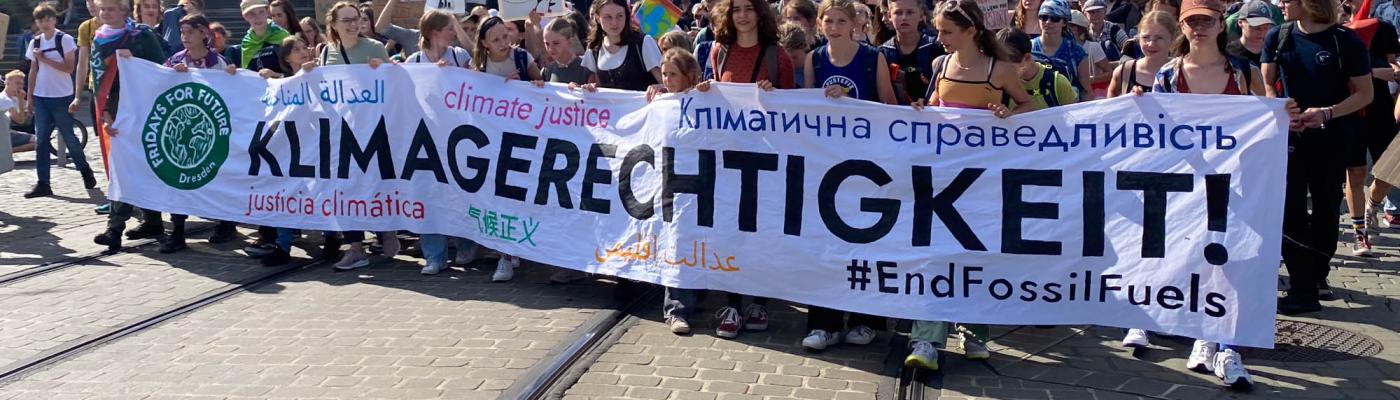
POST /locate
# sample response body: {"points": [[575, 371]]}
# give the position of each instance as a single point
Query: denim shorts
{"points": [[19, 139]]}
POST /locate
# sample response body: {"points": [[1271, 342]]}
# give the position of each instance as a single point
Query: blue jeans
{"points": [[50, 113], [435, 247]]}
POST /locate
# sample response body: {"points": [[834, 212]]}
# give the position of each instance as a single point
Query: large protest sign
{"points": [[1159, 212]]}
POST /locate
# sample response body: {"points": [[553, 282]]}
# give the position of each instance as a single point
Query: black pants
{"points": [[1316, 172], [833, 320]]}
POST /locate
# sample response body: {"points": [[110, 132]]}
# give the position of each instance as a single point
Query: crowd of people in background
{"points": [[914, 53]]}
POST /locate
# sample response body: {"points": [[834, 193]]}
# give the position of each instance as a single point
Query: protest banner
{"points": [[1158, 212], [994, 14], [451, 6], [520, 9]]}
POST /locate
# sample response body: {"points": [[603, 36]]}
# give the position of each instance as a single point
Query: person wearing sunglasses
{"points": [[976, 72], [1053, 47]]}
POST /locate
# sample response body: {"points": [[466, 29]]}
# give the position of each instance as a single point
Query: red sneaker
{"points": [[756, 317], [728, 323]]}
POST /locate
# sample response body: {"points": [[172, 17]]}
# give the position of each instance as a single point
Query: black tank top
{"points": [[631, 75]]}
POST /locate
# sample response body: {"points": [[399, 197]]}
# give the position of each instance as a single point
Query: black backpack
{"points": [[25, 64]]}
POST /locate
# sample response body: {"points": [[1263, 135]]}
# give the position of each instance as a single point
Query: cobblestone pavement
{"points": [[385, 333], [47, 228], [388, 332]]}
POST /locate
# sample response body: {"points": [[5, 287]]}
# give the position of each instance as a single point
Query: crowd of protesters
{"points": [[915, 53]]}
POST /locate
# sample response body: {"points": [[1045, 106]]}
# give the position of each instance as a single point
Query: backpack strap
{"points": [[770, 62], [938, 64], [522, 63], [1047, 88], [720, 54], [325, 53], [1244, 71]]}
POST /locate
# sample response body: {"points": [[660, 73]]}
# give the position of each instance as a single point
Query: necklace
{"points": [[958, 64]]}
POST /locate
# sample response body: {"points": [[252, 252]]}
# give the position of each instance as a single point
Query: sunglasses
{"points": [[956, 5], [1051, 18]]}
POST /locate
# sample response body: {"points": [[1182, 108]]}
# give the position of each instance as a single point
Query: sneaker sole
{"points": [[1135, 345], [919, 363], [727, 335], [1241, 385], [353, 266], [685, 331], [978, 357], [860, 343], [1201, 368]]}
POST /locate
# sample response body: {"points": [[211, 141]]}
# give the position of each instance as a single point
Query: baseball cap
{"points": [[246, 5], [1092, 5], [1078, 18], [1201, 7], [1055, 8], [1256, 13]]}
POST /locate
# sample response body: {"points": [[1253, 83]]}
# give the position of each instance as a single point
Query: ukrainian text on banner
{"points": [[1157, 212]]}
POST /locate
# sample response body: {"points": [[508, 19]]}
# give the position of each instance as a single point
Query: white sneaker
{"points": [[819, 340], [1136, 338], [1202, 357], [1229, 367], [860, 335], [678, 325], [431, 268], [1373, 222], [390, 242], [973, 349], [352, 260], [465, 257], [505, 268]]}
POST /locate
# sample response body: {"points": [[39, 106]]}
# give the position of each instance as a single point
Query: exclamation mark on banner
{"points": [[1217, 209]]}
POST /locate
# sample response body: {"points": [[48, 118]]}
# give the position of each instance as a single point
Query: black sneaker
{"points": [[223, 232], [276, 258], [145, 230], [1324, 292], [89, 181], [39, 191], [1291, 305], [172, 243], [259, 250], [112, 239]]}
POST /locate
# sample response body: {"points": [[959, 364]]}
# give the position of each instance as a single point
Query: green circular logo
{"points": [[186, 135]]}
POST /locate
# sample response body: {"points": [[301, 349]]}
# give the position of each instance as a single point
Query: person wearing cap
{"points": [[1254, 21], [1211, 71], [258, 51], [1101, 29], [1066, 56], [1232, 18], [1100, 67], [1326, 69]]}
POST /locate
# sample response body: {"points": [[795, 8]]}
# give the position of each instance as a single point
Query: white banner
{"points": [[1159, 212]]}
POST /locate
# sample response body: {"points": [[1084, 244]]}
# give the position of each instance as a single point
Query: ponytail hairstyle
{"points": [[966, 14], [479, 51], [333, 34], [567, 28], [631, 34], [431, 22]]}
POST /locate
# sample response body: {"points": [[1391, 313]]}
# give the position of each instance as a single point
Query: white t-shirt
{"points": [[51, 82], [1096, 54], [651, 57], [461, 57]]}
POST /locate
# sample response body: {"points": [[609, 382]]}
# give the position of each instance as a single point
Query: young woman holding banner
{"points": [[1203, 66], [1326, 69], [618, 53], [975, 73], [745, 50], [437, 32], [346, 46], [843, 59]]}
